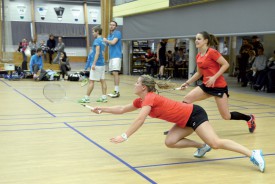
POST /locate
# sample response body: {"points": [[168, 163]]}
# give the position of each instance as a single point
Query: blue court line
{"points": [[5, 83], [35, 103], [29, 99], [196, 161], [112, 154]]}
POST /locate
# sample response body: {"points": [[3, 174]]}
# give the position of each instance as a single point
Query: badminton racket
{"points": [[92, 108], [56, 93], [163, 91], [167, 86]]}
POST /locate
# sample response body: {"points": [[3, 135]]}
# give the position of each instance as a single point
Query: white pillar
{"points": [[126, 60], [192, 57], [232, 55]]}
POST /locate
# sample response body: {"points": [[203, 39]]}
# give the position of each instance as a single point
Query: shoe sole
{"points": [[113, 96], [263, 160], [83, 102]]}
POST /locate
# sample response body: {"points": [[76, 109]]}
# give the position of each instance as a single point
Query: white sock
{"points": [[117, 88], [86, 97], [104, 97]]}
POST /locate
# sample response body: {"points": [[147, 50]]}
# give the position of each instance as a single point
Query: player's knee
{"points": [[214, 144], [169, 143]]}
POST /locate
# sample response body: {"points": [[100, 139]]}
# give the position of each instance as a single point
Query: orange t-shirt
{"points": [[166, 109], [209, 67]]}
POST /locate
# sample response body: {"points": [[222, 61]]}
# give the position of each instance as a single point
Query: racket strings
{"points": [[165, 86], [54, 92]]}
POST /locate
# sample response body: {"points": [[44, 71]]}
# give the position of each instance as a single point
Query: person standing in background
{"points": [[24, 47], [161, 57], [115, 55], [243, 61], [59, 48], [97, 65]]}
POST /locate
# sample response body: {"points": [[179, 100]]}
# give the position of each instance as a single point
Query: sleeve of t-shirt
{"points": [[117, 35], [97, 42], [214, 54], [137, 103]]}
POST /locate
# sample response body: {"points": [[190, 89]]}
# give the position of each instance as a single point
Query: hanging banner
{"points": [[59, 12], [94, 14], [76, 13], [21, 9], [42, 11]]}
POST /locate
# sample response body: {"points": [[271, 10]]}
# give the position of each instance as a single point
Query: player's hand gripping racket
{"points": [[92, 108]]}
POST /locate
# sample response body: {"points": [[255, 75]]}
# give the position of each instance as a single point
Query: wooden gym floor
{"points": [[46, 143]]}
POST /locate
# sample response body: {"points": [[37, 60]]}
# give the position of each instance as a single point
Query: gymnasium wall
{"points": [[223, 18], [66, 20]]}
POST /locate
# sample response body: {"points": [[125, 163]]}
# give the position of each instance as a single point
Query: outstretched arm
{"points": [[115, 109], [145, 110]]}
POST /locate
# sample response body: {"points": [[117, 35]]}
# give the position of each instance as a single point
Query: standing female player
{"points": [[211, 65], [187, 118]]}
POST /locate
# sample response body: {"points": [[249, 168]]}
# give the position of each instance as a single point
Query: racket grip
{"points": [[89, 107]]}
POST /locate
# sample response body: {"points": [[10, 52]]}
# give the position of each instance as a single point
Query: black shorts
{"points": [[197, 117], [162, 61], [215, 91]]}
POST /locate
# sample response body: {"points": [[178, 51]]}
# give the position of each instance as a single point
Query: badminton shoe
{"points": [[251, 124], [115, 94], [103, 100], [84, 100], [257, 159], [201, 151]]}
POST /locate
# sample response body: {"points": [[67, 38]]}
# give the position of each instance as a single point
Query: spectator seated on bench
{"points": [[267, 78], [258, 68], [150, 62]]}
